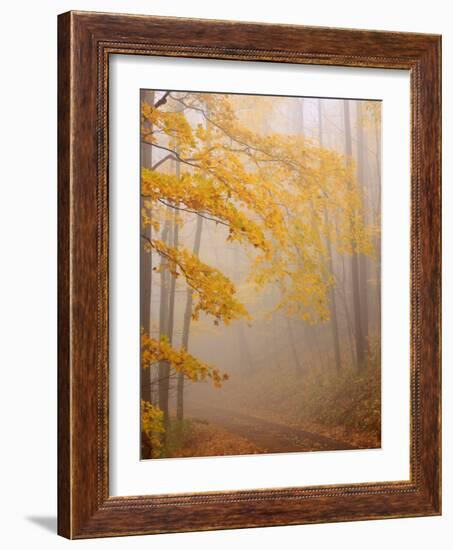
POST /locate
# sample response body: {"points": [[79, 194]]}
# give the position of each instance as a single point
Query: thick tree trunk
{"points": [[358, 329]]}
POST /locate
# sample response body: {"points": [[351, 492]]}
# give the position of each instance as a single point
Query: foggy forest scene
{"points": [[260, 274]]}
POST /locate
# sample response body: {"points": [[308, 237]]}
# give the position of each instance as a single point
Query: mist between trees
{"points": [[260, 275]]}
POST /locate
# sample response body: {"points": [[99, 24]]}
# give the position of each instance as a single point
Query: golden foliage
{"points": [[283, 198], [213, 292], [195, 193], [174, 125], [152, 427], [180, 360], [270, 190]]}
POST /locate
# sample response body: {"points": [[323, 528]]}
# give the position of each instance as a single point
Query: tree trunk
{"points": [[332, 296], [145, 267], [186, 326], [358, 329]]}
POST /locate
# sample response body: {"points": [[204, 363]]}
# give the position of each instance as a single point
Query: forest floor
{"points": [[319, 412], [202, 438], [215, 430]]}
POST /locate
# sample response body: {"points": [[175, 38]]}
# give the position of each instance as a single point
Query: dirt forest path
{"points": [[269, 436]]}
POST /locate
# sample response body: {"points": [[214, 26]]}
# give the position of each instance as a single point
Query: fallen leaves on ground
{"points": [[204, 439]]}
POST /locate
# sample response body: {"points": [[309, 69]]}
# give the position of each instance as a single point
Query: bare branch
{"points": [[162, 160], [162, 100]]}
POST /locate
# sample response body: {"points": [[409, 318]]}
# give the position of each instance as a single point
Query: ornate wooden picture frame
{"points": [[85, 42]]}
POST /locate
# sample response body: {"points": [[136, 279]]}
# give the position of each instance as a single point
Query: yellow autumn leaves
{"points": [[281, 197], [196, 193], [154, 351], [214, 293]]}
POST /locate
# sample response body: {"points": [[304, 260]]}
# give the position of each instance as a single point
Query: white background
{"points": [[28, 274], [128, 475]]}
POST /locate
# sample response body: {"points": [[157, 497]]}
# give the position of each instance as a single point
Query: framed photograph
{"points": [[249, 275]]}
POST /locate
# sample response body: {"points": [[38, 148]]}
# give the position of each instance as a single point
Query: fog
{"points": [[276, 361]]}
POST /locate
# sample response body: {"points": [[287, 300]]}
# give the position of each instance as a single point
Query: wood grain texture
{"points": [[64, 367], [86, 40]]}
